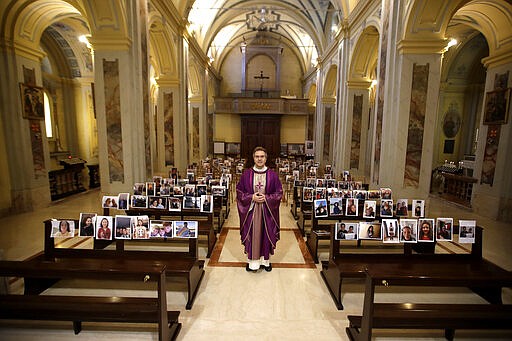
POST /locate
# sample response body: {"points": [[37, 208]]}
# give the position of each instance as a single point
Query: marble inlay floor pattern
{"points": [[289, 303]]}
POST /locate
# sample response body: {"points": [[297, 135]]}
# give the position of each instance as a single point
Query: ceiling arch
{"points": [[330, 83], [365, 55]]}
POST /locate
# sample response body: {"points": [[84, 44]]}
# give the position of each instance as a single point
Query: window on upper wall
{"points": [[48, 116]]}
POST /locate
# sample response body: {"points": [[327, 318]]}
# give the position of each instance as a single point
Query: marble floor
{"points": [[291, 302]]}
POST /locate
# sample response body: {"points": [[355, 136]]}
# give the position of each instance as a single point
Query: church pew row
{"points": [[343, 265], [320, 230], [205, 221], [430, 315], [183, 265], [80, 309]]}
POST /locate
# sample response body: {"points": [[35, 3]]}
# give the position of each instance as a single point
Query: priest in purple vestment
{"points": [[258, 195]]}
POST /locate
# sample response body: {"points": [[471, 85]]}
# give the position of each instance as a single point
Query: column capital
{"points": [[497, 59], [110, 43], [434, 46], [359, 84]]}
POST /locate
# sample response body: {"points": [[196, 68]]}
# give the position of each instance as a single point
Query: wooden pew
{"points": [[449, 317], [352, 265], [80, 309], [184, 265], [205, 221]]}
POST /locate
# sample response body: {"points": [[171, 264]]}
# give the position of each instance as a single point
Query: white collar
{"points": [[259, 170]]}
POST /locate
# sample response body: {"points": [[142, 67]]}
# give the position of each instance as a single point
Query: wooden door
{"points": [[260, 130]]}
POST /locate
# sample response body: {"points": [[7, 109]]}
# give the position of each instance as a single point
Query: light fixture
{"points": [[451, 42]]}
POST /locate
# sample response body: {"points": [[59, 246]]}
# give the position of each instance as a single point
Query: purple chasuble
{"points": [[259, 223]]}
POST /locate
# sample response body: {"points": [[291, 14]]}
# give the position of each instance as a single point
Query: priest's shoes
{"points": [[268, 268], [248, 269]]}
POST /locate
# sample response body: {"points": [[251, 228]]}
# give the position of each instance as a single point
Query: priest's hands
{"points": [[258, 197]]}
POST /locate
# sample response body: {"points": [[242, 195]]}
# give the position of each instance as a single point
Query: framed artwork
{"points": [[32, 101], [218, 147], [295, 149], [232, 148], [497, 106]]}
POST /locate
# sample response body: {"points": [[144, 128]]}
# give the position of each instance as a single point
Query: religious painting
{"points": [[490, 155], [32, 101], [232, 148], [497, 105], [467, 230]]}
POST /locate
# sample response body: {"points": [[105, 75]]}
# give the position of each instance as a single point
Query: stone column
{"points": [[492, 195], [25, 145]]}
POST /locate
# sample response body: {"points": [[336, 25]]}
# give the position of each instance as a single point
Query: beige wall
{"points": [[5, 183], [293, 129], [227, 127]]}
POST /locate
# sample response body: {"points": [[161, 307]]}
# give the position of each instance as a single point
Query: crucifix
{"points": [[261, 78]]}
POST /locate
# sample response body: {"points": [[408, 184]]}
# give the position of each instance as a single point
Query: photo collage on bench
{"points": [[371, 214], [123, 227], [173, 194]]}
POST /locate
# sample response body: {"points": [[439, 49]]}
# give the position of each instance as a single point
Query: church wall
{"points": [[227, 127], [5, 177], [231, 73], [290, 74], [293, 129]]}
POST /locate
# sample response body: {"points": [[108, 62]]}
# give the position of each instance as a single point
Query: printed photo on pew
{"points": [[386, 208], [160, 229], [140, 227], [390, 231], [444, 229], [307, 194], [185, 229], [351, 207], [62, 228], [159, 203], [87, 225], [139, 201], [426, 230], [139, 188], [109, 201], [370, 230], [370, 207], [408, 230], [352, 228], [335, 207], [206, 204], [122, 201], [174, 204], [191, 203], [402, 209], [467, 230], [386, 193], [218, 191], [123, 227], [104, 226], [418, 208], [150, 188], [374, 194], [321, 208]]}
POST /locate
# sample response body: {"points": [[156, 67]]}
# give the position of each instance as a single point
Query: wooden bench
{"points": [[353, 265], [305, 214], [80, 309], [205, 221], [183, 265], [483, 275]]}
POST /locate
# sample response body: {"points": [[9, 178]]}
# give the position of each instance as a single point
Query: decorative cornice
{"points": [[359, 84], [110, 43], [498, 59], [421, 46], [28, 52], [168, 82]]}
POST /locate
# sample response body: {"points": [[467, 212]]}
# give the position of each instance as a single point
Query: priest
{"points": [[258, 195]]}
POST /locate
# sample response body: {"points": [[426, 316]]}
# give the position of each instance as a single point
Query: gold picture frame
{"points": [[32, 101], [497, 105]]}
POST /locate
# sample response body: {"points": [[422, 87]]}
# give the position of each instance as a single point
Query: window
{"points": [[48, 119]]}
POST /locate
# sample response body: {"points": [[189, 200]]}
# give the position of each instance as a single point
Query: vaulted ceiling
{"points": [[305, 25]]}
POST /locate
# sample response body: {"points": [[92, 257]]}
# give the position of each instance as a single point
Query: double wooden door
{"points": [[260, 130]]}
